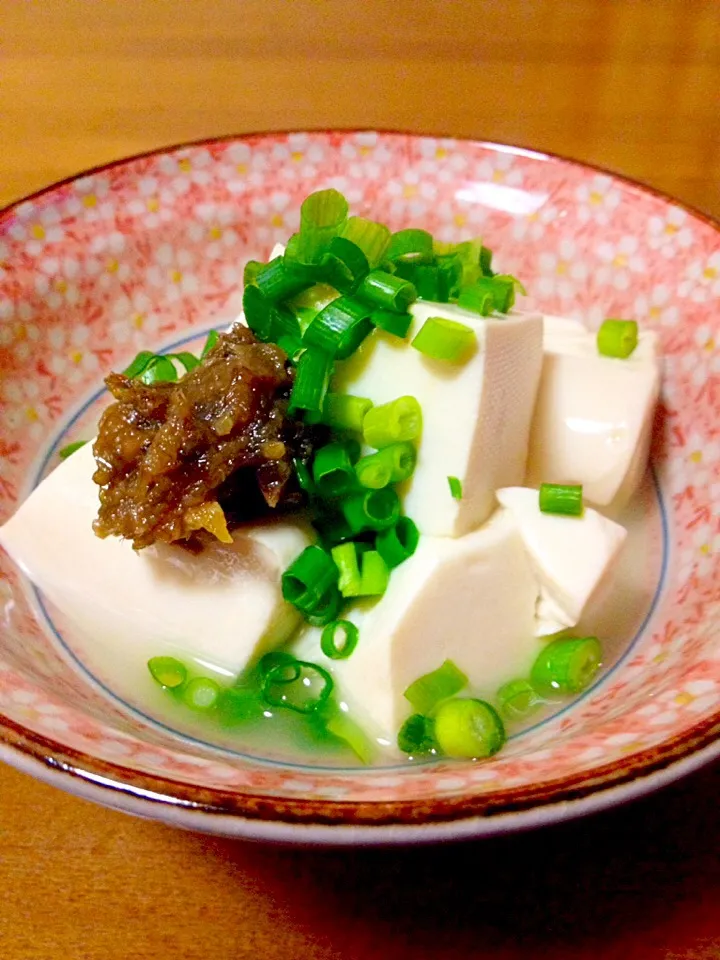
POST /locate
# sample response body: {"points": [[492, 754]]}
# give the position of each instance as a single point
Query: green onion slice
{"points": [[327, 608], [617, 338], [456, 488], [468, 729], [425, 693], [397, 421], [344, 264], [212, 339], [393, 464], [141, 362], [306, 582], [339, 639], [323, 214], [280, 279], [371, 510], [416, 736], [518, 699], [159, 370], [398, 324], [343, 411], [333, 471], [398, 543], [444, 339], [169, 672], [340, 327], [339, 724], [566, 499], [345, 557], [68, 451], [411, 245], [311, 380], [372, 238], [187, 360], [300, 686], [201, 693], [566, 666], [386, 291]]}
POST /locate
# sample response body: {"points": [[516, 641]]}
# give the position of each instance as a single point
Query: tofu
{"points": [[471, 600], [222, 607], [571, 556], [594, 415], [476, 416]]}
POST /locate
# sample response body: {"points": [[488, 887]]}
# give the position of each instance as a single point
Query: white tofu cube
{"points": [[222, 607], [471, 600], [476, 416], [571, 556], [593, 418]]}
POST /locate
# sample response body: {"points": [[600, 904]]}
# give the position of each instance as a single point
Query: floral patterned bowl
{"points": [[149, 252]]}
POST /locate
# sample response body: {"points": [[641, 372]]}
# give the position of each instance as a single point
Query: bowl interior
{"points": [[149, 253]]}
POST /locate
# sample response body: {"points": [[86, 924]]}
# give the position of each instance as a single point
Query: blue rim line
{"points": [[195, 741]]}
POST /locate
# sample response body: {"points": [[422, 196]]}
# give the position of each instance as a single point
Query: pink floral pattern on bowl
{"points": [[151, 250]]}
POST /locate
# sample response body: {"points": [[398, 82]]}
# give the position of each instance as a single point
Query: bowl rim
{"points": [[261, 816]]}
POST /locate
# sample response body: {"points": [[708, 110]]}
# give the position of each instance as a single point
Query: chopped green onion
{"points": [[504, 291], [304, 477], [251, 270], [295, 686], [323, 214], [327, 609], [345, 557], [340, 725], [398, 543], [343, 631], [468, 729], [275, 658], [344, 264], [518, 699], [617, 338], [68, 451], [426, 280], [398, 420], [212, 339], [393, 464], [478, 299], [311, 380], [449, 278], [308, 304], [258, 311], [371, 510], [280, 279], [386, 291], [306, 582], [456, 489], [561, 498], [159, 370], [293, 347], [139, 364], [374, 576], [333, 470], [397, 324], [372, 238], [425, 693], [169, 672], [416, 736], [201, 693], [566, 666], [188, 361], [485, 262], [411, 245], [340, 327], [444, 339], [333, 528], [342, 411]]}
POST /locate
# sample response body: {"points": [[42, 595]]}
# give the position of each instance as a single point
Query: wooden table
{"points": [[630, 84]]}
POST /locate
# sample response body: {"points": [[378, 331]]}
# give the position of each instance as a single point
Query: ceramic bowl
{"points": [[149, 253]]}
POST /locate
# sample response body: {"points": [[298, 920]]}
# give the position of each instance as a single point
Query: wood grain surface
{"points": [[633, 85]]}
